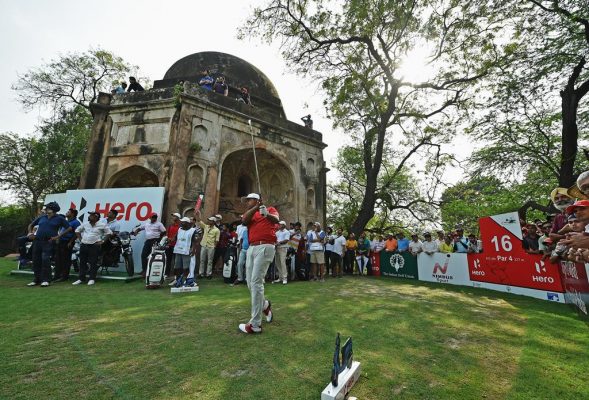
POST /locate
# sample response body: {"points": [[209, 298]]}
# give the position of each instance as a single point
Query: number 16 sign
{"points": [[504, 260]]}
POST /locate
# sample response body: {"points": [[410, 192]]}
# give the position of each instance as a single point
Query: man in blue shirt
{"points": [[44, 242], [206, 82], [402, 243], [63, 253]]}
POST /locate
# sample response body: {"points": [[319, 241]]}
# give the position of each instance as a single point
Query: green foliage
{"points": [[71, 79], [13, 222], [32, 167], [467, 201], [520, 111], [355, 51]]}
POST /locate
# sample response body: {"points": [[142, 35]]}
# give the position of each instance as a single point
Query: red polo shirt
{"points": [[172, 233], [260, 229]]}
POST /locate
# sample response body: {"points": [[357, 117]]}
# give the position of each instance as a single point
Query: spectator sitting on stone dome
{"points": [[134, 85], [244, 96], [220, 86], [206, 82]]}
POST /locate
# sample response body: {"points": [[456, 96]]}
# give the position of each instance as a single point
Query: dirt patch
{"points": [[397, 390]]}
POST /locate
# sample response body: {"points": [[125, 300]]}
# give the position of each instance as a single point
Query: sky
{"points": [[152, 35]]}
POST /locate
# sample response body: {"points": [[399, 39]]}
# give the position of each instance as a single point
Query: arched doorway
{"points": [[134, 176], [238, 178]]}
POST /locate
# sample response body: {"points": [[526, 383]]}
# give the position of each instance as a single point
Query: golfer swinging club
{"points": [[261, 222]]}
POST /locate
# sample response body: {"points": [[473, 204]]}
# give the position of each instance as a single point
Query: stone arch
{"points": [[194, 182], [310, 203], [276, 181], [135, 176]]}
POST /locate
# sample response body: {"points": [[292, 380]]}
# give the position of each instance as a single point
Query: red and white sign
{"points": [[375, 263], [134, 206], [504, 260]]}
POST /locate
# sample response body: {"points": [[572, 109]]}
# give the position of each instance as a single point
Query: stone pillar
{"points": [[99, 141]]}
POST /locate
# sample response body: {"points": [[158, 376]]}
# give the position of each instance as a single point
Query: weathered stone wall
{"points": [[197, 142]]}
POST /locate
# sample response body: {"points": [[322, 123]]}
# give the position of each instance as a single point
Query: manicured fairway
{"points": [[414, 340]]}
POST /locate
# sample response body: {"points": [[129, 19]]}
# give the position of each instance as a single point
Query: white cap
{"points": [[219, 217], [213, 219], [185, 219], [253, 196], [282, 223], [177, 215]]}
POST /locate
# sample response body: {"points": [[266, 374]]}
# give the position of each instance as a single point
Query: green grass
{"points": [[414, 340]]}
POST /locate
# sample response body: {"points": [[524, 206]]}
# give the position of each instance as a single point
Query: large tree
{"points": [[537, 115], [355, 50], [72, 79], [32, 167]]}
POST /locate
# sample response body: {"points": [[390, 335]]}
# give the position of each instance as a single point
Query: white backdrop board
{"points": [[134, 205], [443, 268], [538, 294]]}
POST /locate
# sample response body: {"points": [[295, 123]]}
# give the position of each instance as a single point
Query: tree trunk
{"points": [[367, 208], [570, 135]]}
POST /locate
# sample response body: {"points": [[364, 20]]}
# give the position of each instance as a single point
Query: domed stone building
{"points": [[191, 141]]}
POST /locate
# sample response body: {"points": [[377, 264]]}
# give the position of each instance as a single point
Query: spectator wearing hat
{"points": [[154, 230], [307, 121], [561, 201], [63, 254], [210, 238], [183, 250], [362, 254], [430, 246], [282, 238], [44, 240], [415, 246], [171, 233], [91, 234]]}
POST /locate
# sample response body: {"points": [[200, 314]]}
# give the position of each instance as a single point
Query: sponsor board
{"points": [[538, 294], [398, 265], [505, 261], [134, 206], [375, 263], [443, 268], [576, 285]]}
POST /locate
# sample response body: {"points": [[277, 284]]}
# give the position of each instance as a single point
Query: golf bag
{"points": [[156, 265], [230, 265]]}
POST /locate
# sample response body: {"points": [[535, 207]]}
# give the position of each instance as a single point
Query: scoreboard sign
{"points": [[504, 260]]}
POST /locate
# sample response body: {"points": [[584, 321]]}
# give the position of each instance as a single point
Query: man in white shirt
{"points": [[91, 234], [242, 245], [415, 246], [154, 230], [183, 251], [282, 238], [337, 253], [429, 246]]}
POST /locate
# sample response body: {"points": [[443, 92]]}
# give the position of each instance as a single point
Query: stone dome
{"points": [[236, 71]]}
